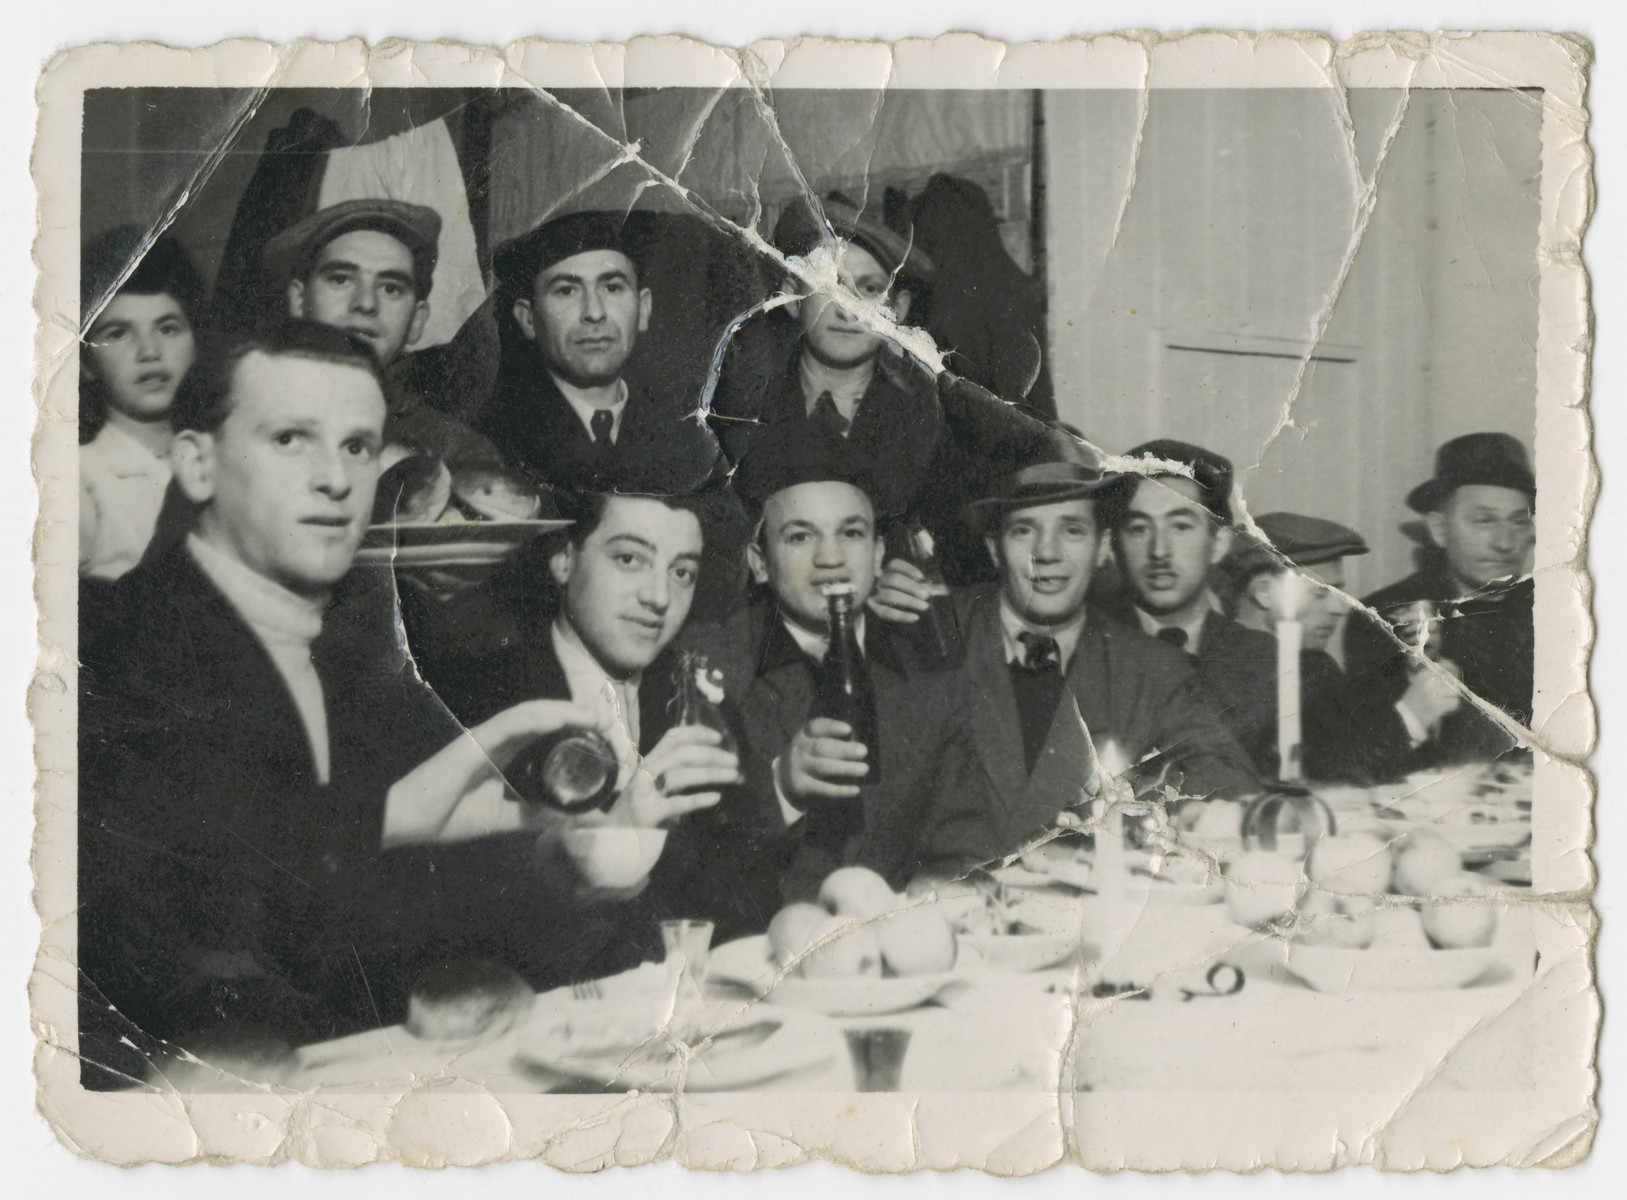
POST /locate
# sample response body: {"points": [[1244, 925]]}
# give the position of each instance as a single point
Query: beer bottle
{"points": [[573, 770], [845, 690], [698, 697], [939, 631]]}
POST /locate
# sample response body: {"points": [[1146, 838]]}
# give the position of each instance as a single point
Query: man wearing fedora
{"points": [[1345, 738], [366, 267], [565, 411], [1479, 508], [1051, 679]]}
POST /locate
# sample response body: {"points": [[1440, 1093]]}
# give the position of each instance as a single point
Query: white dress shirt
{"points": [[596, 689], [1067, 636], [585, 408], [286, 625], [846, 386]]}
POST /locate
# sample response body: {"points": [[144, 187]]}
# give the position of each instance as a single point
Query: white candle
{"points": [[1290, 638]]}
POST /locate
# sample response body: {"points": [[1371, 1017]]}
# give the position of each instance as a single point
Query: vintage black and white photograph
{"points": [[716, 598]]}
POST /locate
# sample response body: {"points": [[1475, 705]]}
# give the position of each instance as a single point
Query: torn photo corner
{"points": [[937, 605]]}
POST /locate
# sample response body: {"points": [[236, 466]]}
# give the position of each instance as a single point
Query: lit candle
{"points": [[1290, 637]]}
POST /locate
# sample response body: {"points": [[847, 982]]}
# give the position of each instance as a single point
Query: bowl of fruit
{"points": [[863, 949]]}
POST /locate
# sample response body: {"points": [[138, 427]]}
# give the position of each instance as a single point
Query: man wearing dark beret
{"points": [[1347, 735], [367, 267], [807, 807], [565, 411], [1474, 591]]}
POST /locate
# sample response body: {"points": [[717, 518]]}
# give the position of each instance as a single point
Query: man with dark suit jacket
{"points": [[589, 617], [1476, 592], [564, 410], [802, 812], [828, 370], [263, 806], [1346, 735], [1055, 683]]}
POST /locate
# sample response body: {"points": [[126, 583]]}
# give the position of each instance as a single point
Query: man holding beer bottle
{"points": [[847, 737]]}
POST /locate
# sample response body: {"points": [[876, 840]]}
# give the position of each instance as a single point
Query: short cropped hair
{"points": [[204, 399], [587, 510]]}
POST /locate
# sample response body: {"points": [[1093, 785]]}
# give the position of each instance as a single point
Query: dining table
{"points": [[1146, 981]]}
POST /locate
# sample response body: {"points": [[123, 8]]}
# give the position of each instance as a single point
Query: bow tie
{"points": [[1174, 635], [1041, 654]]}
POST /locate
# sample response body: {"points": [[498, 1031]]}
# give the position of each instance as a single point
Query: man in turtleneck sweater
{"points": [[252, 792]]}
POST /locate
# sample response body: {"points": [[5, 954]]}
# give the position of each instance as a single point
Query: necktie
{"points": [[828, 417], [602, 422], [1174, 636], [1041, 654]]}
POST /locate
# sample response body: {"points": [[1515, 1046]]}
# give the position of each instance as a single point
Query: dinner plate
{"points": [[1023, 952], [746, 1050], [450, 543], [749, 963], [1335, 969]]}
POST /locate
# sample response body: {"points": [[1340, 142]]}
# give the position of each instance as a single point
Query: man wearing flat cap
{"points": [[1475, 586], [830, 367], [1345, 737], [366, 267], [807, 806], [565, 411], [1054, 681]]}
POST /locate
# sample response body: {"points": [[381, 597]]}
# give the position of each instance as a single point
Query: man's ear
{"points": [[1220, 545], [993, 543], [901, 305], [1437, 528], [757, 561], [420, 318], [1104, 552], [192, 459], [525, 318], [562, 562], [646, 301], [296, 298]]}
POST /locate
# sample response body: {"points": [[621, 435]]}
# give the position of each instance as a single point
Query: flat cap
{"points": [[289, 253], [1303, 541], [519, 261], [1210, 471], [800, 230]]}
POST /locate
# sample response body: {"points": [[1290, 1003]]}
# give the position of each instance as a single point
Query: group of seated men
{"points": [[292, 789]]}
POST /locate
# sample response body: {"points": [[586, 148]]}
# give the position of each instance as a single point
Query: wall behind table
{"points": [[1186, 312]]}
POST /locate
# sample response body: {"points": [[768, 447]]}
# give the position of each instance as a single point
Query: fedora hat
{"points": [[1484, 459], [1042, 483]]}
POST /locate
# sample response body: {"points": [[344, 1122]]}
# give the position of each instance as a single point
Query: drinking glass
{"points": [[689, 946], [878, 1057]]}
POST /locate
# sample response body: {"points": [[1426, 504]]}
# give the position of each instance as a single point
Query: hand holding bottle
{"points": [[822, 763]]}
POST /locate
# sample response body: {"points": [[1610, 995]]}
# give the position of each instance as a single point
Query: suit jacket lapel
{"points": [[995, 725]]}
